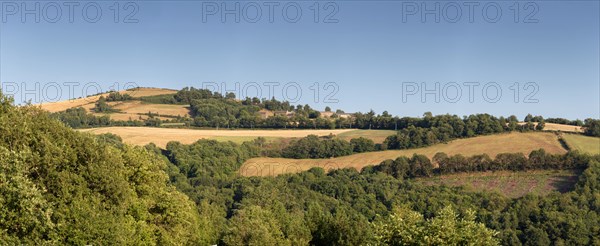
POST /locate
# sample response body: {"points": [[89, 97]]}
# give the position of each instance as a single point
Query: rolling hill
{"points": [[127, 110], [88, 102], [491, 145]]}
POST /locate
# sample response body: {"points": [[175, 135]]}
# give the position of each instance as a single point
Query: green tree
{"points": [[361, 144], [540, 125], [102, 107], [592, 127], [254, 226], [59, 186], [407, 227]]}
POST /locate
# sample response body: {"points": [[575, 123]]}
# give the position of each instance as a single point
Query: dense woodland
{"points": [[347, 207], [58, 186], [212, 109]]}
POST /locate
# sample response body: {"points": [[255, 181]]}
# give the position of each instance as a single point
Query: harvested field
{"points": [[562, 128], [161, 136], [88, 102], [128, 116], [491, 145], [558, 127], [137, 107], [378, 136]]}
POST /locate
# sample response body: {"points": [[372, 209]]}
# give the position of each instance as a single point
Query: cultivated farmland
{"points": [[510, 184], [491, 145], [562, 128], [88, 102], [137, 107], [161, 136], [378, 136]]}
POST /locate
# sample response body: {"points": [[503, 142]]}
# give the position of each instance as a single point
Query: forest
{"points": [[347, 207], [59, 186]]}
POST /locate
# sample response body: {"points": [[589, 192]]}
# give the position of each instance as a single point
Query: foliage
{"points": [[361, 144], [212, 109], [592, 127], [339, 207], [257, 226], [442, 128], [565, 121], [116, 96], [407, 227], [312, 147], [102, 107], [421, 166], [58, 186], [79, 118]]}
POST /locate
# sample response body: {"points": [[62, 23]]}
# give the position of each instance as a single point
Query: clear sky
{"points": [[371, 54]]}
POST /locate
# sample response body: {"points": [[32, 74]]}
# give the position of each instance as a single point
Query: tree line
{"points": [[429, 131], [313, 147], [441, 164], [80, 118]]}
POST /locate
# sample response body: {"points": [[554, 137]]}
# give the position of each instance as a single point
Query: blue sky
{"points": [[370, 57]]}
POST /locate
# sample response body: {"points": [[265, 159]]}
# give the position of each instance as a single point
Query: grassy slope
{"points": [[583, 143], [510, 184], [491, 145]]}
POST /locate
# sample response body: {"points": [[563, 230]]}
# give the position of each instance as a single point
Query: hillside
{"points": [[126, 110], [58, 186], [88, 102], [491, 145]]}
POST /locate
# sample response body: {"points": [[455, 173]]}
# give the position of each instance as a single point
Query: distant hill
{"points": [[131, 109]]}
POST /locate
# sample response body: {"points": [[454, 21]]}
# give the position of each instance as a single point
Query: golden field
{"points": [[491, 145], [138, 107], [161, 136], [88, 102], [378, 136], [562, 128]]}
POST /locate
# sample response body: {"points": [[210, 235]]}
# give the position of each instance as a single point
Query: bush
{"points": [[312, 147], [360, 145]]}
